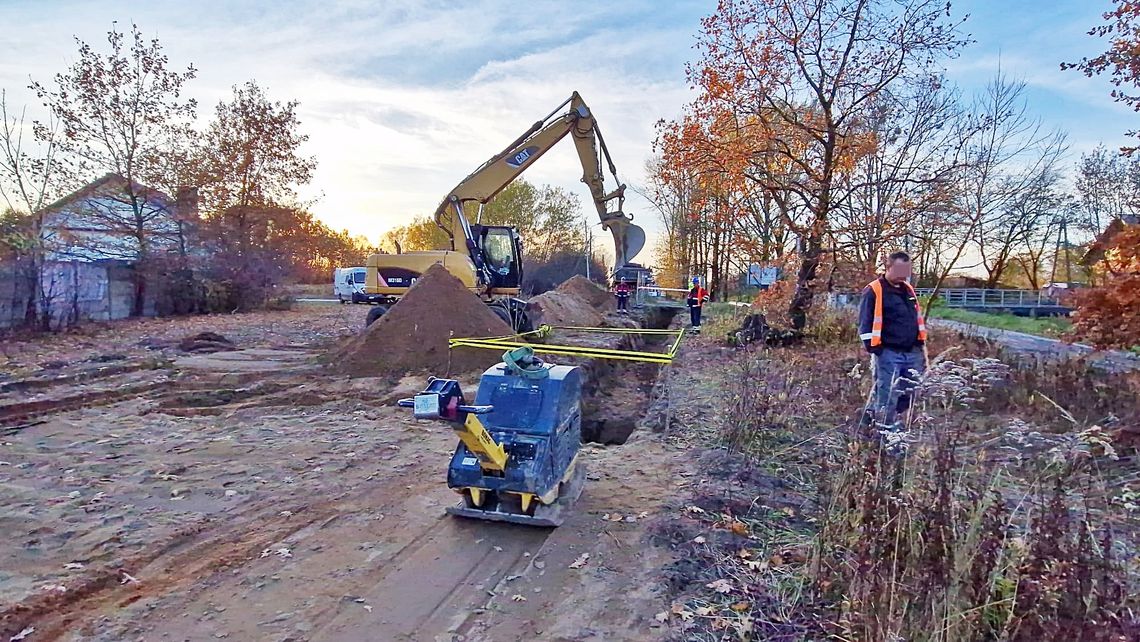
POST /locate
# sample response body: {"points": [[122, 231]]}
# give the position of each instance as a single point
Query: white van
{"points": [[348, 284]]}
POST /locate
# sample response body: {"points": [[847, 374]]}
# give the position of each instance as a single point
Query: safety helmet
{"points": [[696, 280]]}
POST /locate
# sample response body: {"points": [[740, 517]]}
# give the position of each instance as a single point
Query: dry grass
{"points": [[1012, 515]]}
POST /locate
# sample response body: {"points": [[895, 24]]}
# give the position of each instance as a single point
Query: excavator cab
{"points": [[501, 249]]}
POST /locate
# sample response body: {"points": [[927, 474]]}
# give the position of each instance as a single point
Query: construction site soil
{"points": [[590, 292], [258, 494], [412, 336]]}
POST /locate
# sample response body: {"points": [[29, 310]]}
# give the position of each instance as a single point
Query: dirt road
{"points": [[246, 496]]}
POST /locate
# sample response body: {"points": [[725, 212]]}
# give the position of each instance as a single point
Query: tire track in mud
{"points": [[437, 580], [178, 560]]}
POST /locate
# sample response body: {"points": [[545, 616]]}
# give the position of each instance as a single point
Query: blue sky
{"points": [[401, 99]]}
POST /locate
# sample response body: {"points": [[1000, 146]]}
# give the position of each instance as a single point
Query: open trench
{"points": [[617, 394]]}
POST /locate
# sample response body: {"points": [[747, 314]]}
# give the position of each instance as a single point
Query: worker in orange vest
{"points": [[622, 291], [696, 300], [893, 330]]}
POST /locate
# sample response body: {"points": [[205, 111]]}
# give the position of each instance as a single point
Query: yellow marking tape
{"points": [[500, 343]]}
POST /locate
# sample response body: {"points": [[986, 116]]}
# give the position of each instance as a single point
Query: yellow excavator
{"points": [[488, 259]]}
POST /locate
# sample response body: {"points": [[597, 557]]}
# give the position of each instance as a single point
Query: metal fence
{"points": [[653, 295], [983, 298]]}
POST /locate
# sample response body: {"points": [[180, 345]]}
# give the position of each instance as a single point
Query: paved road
{"points": [[1045, 348]]}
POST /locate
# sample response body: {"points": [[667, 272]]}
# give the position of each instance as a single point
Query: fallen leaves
{"points": [[720, 586], [581, 561], [756, 565], [683, 613]]}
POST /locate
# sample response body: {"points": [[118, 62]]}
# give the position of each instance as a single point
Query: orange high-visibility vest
{"points": [[700, 294], [876, 335]]}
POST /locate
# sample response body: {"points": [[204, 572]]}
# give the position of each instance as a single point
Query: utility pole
{"points": [[1068, 253], [589, 247]]}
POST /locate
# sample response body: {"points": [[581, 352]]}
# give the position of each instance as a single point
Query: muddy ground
{"points": [[147, 494]]}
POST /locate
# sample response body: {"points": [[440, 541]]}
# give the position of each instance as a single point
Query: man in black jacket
{"points": [[892, 328]]}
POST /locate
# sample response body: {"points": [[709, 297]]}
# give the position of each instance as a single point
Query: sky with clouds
{"points": [[402, 98]]}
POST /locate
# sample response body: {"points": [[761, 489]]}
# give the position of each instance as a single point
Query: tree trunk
{"points": [[810, 259], [139, 278]]}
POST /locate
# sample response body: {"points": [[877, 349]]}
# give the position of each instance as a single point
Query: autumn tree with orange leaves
{"points": [[1122, 59], [790, 88], [1109, 316]]}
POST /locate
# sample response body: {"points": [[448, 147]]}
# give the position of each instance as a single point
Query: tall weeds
{"points": [[956, 540], [998, 522]]}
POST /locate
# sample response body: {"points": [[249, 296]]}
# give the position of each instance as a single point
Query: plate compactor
{"points": [[517, 457]]}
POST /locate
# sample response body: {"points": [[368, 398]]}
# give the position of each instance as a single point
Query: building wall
{"points": [[96, 228], [76, 292]]}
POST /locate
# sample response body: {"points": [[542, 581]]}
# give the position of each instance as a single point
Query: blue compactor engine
{"points": [[517, 458]]}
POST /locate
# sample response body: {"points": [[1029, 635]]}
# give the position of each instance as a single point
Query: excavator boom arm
{"points": [[500, 170]]}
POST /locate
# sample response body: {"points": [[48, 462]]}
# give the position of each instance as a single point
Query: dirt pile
{"points": [[412, 336], [206, 343], [577, 301], [563, 308], [590, 292]]}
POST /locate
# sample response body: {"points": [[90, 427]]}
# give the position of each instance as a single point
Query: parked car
{"points": [[348, 284]]}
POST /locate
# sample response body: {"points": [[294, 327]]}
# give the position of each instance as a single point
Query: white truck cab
{"points": [[348, 284]]}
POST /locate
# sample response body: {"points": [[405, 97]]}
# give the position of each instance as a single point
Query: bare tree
{"points": [[807, 72], [120, 113], [32, 174], [1108, 185], [899, 181], [1009, 161]]}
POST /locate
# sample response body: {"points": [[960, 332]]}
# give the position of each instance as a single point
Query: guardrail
{"points": [[993, 298], [648, 295]]}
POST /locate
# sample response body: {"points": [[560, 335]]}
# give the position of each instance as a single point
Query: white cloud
{"points": [[401, 101]]}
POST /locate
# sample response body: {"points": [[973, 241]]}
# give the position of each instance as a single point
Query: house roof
{"points": [[111, 183], [1103, 241]]}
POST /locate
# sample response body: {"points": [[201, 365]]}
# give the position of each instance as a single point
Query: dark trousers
{"points": [[896, 373], [695, 315], [623, 301]]}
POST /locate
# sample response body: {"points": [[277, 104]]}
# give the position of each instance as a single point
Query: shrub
{"points": [[1109, 316]]}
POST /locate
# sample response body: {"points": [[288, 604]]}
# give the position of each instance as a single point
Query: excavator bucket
{"points": [[629, 239]]}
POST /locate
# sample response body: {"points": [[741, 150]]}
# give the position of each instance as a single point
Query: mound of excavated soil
{"points": [[590, 292], [412, 336], [206, 343], [563, 308]]}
